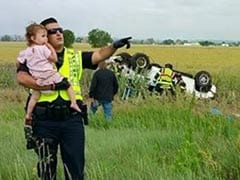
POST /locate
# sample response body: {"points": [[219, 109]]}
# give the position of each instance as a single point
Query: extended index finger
{"points": [[128, 38]]}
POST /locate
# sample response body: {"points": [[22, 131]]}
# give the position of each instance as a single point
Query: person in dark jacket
{"points": [[104, 86]]}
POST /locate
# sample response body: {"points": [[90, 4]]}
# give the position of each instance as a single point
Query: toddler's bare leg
{"points": [[32, 102], [72, 99]]}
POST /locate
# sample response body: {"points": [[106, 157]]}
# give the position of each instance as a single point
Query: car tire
{"points": [[203, 81], [140, 61], [125, 58]]}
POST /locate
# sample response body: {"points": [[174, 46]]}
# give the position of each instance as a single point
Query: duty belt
{"points": [[53, 112], [58, 113]]}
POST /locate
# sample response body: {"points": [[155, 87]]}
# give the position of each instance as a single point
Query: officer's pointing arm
{"points": [[102, 54], [106, 52]]}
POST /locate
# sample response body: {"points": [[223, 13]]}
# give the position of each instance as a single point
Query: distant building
{"points": [[225, 44], [191, 44]]}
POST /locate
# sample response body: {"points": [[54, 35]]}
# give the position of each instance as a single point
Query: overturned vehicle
{"points": [[138, 66]]}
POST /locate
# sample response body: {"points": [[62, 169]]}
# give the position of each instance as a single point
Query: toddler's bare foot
{"points": [[75, 106], [28, 119]]}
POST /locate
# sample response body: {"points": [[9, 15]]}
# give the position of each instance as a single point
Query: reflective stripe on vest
{"points": [[166, 76], [72, 70]]}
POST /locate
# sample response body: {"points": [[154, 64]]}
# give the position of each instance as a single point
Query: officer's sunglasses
{"points": [[54, 30]]}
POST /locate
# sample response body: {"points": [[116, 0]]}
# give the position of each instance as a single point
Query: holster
{"points": [[84, 113]]}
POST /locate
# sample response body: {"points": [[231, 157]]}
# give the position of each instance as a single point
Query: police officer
{"points": [[54, 123]]}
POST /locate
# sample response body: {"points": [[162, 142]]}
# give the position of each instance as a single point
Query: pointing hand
{"points": [[122, 42]]}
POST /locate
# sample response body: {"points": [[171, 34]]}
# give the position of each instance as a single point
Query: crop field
{"points": [[213, 59], [152, 138]]}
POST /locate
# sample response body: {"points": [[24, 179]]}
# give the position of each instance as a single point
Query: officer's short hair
{"points": [[48, 21]]}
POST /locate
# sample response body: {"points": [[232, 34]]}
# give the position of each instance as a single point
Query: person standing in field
{"points": [[165, 80], [104, 86], [54, 123]]}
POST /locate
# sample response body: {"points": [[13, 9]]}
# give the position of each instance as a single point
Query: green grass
{"points": [[156, 138], [149, 140]]}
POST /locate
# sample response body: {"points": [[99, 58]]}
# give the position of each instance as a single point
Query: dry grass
{"points": [[190, 59], [10, 50]]}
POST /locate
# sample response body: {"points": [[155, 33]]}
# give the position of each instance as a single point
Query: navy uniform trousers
{"points": [[59, 127]]}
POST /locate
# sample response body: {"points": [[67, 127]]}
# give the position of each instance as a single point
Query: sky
{"points": [[141, 19]]}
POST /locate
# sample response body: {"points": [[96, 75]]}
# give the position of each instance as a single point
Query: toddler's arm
{"points": [[53, 55]]}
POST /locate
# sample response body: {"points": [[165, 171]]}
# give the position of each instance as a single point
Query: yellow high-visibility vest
{"points": [[166, 77], [72, 70]]}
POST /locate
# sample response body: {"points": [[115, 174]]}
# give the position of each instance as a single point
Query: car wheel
{"points": [[140, 61], [125, 58], [203, 81]]}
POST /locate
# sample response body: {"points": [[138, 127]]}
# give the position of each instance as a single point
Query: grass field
{"points": [[191, 59], [155, 138]]}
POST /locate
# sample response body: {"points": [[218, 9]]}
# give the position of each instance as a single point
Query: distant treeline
{"points": [[20, 38]]}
